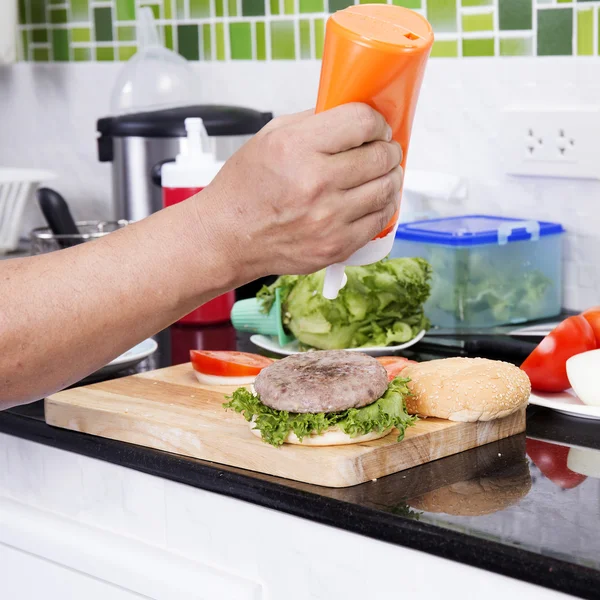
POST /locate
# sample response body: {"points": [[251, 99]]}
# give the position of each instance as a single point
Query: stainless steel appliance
{"points": [[135, 143]]}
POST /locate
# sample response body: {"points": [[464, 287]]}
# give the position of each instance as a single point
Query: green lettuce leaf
{"points": [[275, 425], [381, 304]]}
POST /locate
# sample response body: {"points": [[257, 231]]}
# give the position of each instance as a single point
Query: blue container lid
{"points": [[475, 230]]}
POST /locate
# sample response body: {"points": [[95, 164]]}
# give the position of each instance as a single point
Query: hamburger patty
{"points": [[324, 381]]}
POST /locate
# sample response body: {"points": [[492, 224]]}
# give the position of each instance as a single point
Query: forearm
{"points": [[65, 314]]}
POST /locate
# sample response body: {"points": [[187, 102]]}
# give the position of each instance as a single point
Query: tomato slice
{"points": [[227, 363], [592, 316], [546, 366], [394, 365], [551, 460]]}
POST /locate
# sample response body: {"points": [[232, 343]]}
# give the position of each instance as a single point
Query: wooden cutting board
{"points": [[168, 410]]}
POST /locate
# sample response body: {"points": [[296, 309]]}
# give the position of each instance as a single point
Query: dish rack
{"points": [[17, 187]]}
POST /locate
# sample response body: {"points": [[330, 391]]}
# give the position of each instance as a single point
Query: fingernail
{"points": [[388, 134]]}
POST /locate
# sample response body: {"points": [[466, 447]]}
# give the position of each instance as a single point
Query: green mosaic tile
{"points": [[311, 6], [283, 42], [82, 54], [206, 42], [125, 10], [81, 34], [22, 16], [240, 41], [37, 13], [24, 50], [445, 49], [442, 15], [168, 8], [319, 34], [180, 9], [126, 52], [56, 1], [253, 8], [103, 25], [80, 11], [168, 37], [199, 9], [58, 16], [188, 41], [154, 8], [585, 32], [478, 22], [39, 36], [516, 47], [304, 38], [555, 32], [261, 40], [408, 3], [289, 7], [372, 1], [40, 54], [274, 7], [126, 33], [60, 44], [105, 54], [220, 41], [335, 5], [478, 47], [479, 2], [219, 10], [565, 1], [515, 15], [232, 8]]}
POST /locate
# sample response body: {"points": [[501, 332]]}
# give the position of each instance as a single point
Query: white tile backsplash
{"points": [[48, 114]]}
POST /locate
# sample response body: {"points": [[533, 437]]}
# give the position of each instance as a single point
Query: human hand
{"points": [[305, 192]]}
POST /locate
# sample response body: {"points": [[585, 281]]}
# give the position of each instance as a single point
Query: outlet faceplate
{"points": [[552, 142]]}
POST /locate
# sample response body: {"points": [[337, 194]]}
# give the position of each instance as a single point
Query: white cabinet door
{"points": [[26, 577]]}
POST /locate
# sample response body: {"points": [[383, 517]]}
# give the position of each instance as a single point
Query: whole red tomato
{"points": [[592, 316], [546, 366], [551, 460]]}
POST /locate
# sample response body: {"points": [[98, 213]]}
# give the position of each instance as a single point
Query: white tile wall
{"points": [[48, 114]]}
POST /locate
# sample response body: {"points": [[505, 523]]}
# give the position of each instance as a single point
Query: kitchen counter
{"points": [[490, 507]]}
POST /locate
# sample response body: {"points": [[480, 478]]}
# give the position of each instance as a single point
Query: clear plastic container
{"points": [[487, 271], [155, 77]]}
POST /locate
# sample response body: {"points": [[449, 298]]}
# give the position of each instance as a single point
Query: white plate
{"points": [[272, 345], [567, 403], [130, 358]]}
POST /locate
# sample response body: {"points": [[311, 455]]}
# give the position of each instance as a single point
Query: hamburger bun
{"points": [[466, 389], [334, 436]]}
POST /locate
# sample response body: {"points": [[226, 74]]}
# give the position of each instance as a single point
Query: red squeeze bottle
{"points": [[193, 169], [374, 54]]}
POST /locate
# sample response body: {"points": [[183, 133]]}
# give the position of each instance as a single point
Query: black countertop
{"points": [[491, 507]]}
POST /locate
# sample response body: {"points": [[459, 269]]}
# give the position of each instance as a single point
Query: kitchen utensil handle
{"points": [[500, 347], [58, 216]]}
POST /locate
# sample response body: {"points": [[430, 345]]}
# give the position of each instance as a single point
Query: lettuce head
{"points": [[382, 304]]}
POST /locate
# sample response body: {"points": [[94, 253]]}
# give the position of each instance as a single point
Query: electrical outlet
{"points": [[552, 142]]}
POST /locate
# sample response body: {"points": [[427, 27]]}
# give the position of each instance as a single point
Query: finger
{"points": [[355, 167], [371, 225], [345, 127], [373, 197], [288, 120]]}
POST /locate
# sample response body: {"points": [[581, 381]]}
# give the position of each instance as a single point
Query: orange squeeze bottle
{"points": [[374, 54]]}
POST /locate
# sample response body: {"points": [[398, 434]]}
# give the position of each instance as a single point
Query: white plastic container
{"points": [[17, 188], [487, 271]]}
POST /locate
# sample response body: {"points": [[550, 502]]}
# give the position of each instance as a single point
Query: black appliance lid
{"points": [[218, 120]]}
